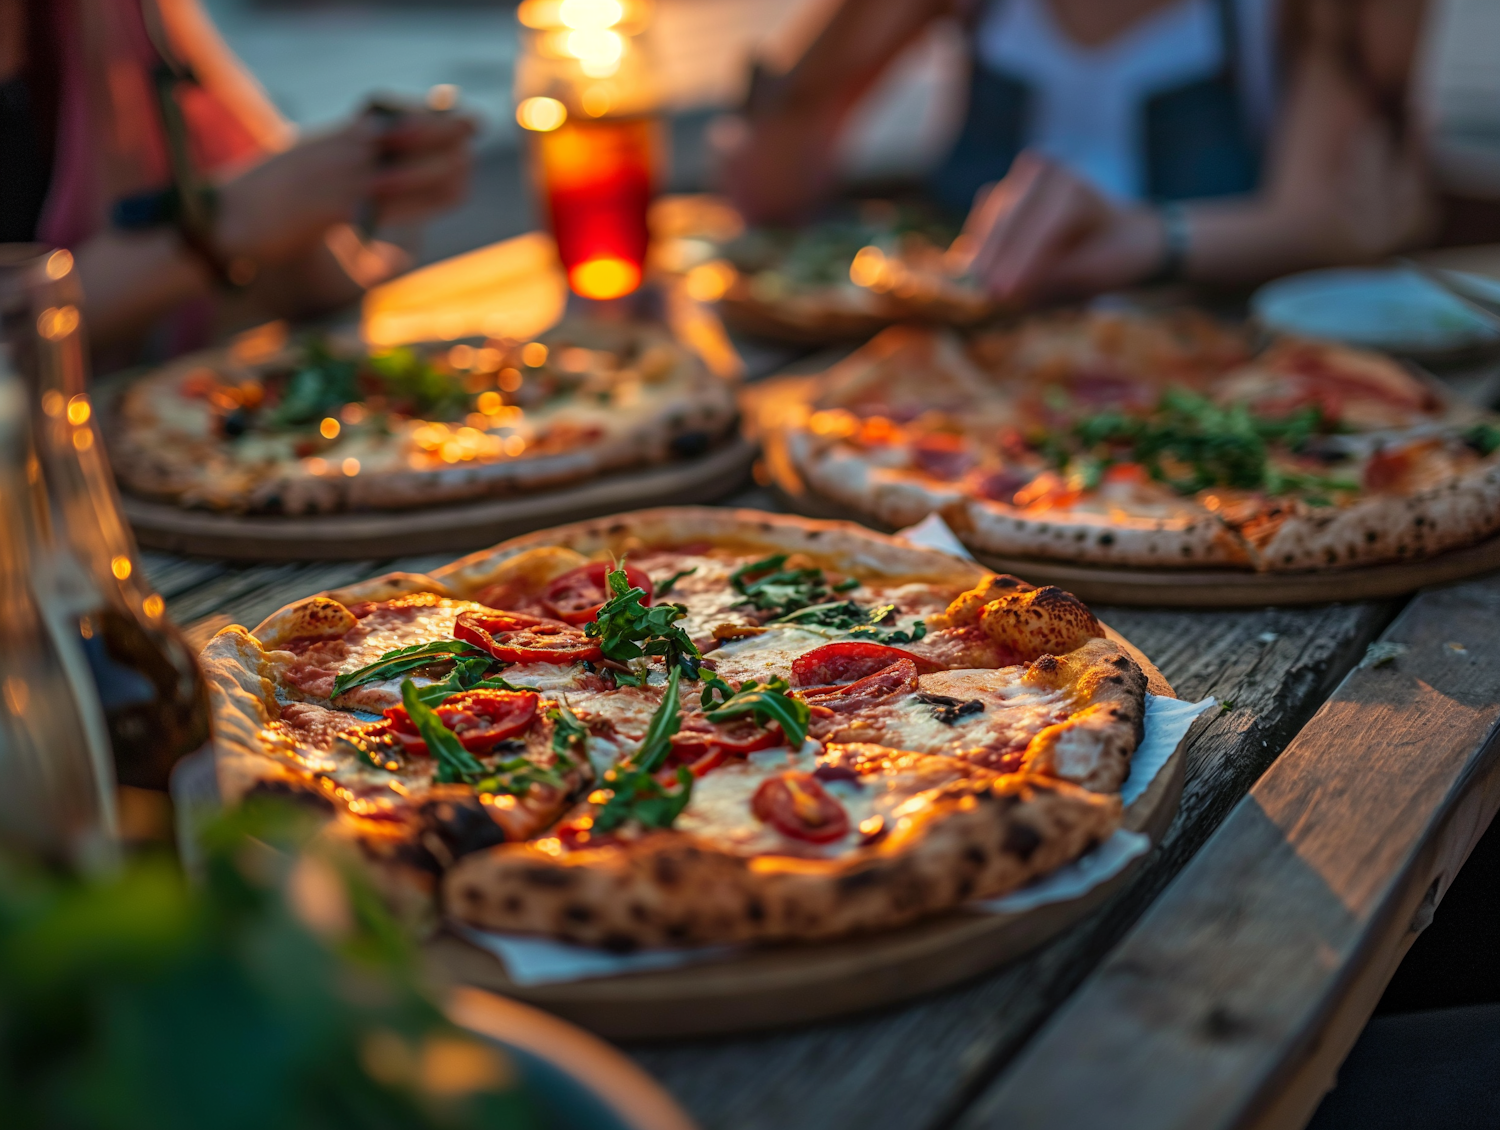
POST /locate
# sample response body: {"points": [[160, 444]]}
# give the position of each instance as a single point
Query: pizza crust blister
{"points": [[985, 752]]}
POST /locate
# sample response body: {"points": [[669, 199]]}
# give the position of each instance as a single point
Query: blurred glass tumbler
{"points": [[586, 98], [58, 798], [153, 696]]}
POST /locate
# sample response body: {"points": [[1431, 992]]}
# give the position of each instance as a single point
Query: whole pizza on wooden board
{"points": [[1134, 441], [318, 426], [690, 726]]}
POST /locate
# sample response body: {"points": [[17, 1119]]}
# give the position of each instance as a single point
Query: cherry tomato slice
{"points": [[848, 660], [702, 750], [513, 637], [798, 805], [899, 678], [480, 719], [577, 596]]}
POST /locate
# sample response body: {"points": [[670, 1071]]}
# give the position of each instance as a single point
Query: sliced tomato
{"points": [[708, 748], [798, 805], [577, 596], [513, 637], [899, 678], [848, 660], [480, 720]]}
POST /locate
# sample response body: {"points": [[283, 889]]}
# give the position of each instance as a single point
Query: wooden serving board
{"points": [[1161, 588], [778, 986], [454, 527]]}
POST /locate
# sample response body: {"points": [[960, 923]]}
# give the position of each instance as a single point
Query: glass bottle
{"points": [[58, 799], [153, 695]]}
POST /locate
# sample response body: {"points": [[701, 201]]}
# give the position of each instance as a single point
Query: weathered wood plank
{"points": [[919, 1066], [1235, 997]]}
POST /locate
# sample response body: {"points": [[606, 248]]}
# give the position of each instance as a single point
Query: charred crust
{"points": [[553, 878], [297, 794], [1021, 840], [577, 912], [619, 942]]}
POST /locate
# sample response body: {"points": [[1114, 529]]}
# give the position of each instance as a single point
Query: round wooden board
{"points": [[438, 529], [778, 986], [1161, 588]]}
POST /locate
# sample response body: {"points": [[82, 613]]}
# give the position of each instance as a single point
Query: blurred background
{"points": [[318, 58]]}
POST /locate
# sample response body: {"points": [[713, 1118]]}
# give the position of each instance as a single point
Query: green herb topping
{"points": [[768, 702], [569, 735], [857, 620], [626, 630], [405, 659], [664, 587], [1191, 444], [770, 587], [455, 765], [635, 793]]}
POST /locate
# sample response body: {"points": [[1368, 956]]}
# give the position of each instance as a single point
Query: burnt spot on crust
{"points": [[1021, 840], [857, 882], [554, 878], [452, 827], [578, 912], [966, 608], [667, 873], [618, 942]]}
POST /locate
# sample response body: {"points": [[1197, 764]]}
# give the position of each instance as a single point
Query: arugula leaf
{"points": [[771, 588], [769, 702], [664, 587], [454, 763], [627, 630], [321, 385], [467, 675], [635, 794], [405, 659], [1483, 438], [664, 723], [846, 615], [1190, 443], [568, 733], [516, 776]]}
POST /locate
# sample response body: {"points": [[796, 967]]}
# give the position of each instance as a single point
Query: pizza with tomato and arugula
{"points": [[316, 425], [1146, 441], [690, 725]]}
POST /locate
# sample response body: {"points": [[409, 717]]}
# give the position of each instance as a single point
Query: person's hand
{"points": [[1043, 232], [281, 208]]}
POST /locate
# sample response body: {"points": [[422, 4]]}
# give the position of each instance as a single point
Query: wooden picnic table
{"points": [[1328, 806]]}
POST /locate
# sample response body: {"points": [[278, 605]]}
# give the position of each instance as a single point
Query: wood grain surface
{"points": [[1234, 1000], [920, 1065]]}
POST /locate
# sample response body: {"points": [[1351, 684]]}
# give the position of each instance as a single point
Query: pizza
{"points": [[1140, 440], [318, 425], [689, 726], [848, 277]]}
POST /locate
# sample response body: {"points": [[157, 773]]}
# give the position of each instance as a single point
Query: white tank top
{"points": [[1086, 109]]}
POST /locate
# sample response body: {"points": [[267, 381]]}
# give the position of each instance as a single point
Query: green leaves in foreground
{"points": [[767, 703], [275, 992], [626, 629], [635, 793], [771, 587]]}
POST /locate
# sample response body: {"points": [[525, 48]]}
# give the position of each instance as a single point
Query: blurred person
{"points": [[1112, 142], [132, 136]]}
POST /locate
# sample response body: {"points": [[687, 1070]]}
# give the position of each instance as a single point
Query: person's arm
{"points": [[284, 216], [784, 163], [1345, 183]]}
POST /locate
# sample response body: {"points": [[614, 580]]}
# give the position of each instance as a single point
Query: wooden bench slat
{"points": [[1236, 996]]}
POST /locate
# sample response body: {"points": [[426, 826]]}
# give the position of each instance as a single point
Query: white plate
{"points": [[1388, 308]]}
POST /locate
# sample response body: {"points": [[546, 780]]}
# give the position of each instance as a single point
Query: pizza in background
{"points": [[690, 726], [319, 425], [1147, 441]]}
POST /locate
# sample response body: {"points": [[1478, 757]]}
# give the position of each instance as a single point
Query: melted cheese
{"points": [[770, 653], [1014, 713]]}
